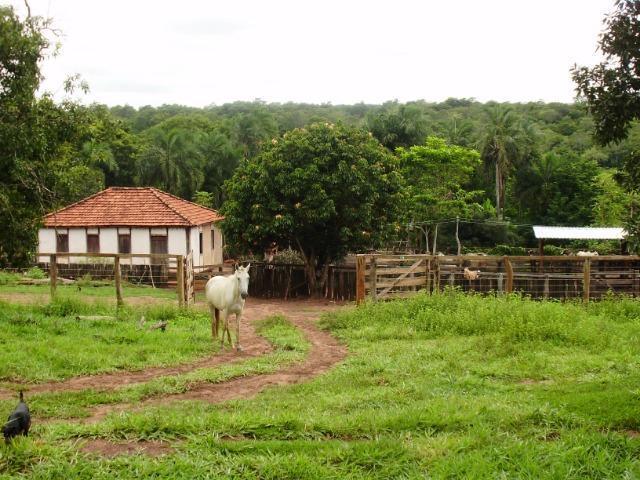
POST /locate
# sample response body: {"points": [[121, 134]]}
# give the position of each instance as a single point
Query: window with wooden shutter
{"points": [[93, 243], [159, 244], [62, 242], [124, 243]]}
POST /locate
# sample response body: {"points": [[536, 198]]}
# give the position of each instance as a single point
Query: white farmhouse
{"points": [[134, 220]]}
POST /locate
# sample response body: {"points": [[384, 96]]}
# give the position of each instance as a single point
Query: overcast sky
{"points": [[211, 52]]}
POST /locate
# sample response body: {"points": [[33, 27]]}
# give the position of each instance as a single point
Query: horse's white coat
{"points": [[227, 295]]}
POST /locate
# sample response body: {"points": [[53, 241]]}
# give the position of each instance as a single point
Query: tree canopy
{"points": [[612, 88], [324, 190]]}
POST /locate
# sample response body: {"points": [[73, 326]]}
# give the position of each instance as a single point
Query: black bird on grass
{"points": [[19, 421]]}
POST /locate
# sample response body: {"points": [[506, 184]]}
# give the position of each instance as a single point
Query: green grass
{"points": [[447, 386], [47, 342], [289, 347], [87, 290]]}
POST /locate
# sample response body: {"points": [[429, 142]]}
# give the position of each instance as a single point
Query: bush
{"points": [[35, 273]]}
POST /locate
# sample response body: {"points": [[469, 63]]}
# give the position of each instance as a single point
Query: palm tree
{"points": [[172, 161], [502, 148]]}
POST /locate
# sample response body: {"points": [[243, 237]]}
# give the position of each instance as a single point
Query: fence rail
{"points": [[157, 270], [276, 280], [559, 277]]}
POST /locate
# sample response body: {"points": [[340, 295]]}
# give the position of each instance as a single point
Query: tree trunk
{"points": [[498, 191]]}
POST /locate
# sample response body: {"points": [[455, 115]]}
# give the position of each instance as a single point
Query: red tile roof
{"points": [[131, 207]]}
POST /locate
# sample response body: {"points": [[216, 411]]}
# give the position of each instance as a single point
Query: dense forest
{"points": [[554, 174], [498, 167]]}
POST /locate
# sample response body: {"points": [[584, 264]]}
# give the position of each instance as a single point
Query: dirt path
{"points": [[324, 353], [253, 345]]}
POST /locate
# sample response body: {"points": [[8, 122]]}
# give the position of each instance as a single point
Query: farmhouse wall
{"points": [[207, 254], [46, 242], [77, 242], [195, 246], [140, 243], [217, 251], [109, 240], [177, 241]]}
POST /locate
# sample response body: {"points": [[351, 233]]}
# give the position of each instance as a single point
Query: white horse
{"points": [[226, 295]]}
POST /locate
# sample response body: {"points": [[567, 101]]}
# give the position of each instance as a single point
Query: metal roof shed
{"points": [[543, 232]]}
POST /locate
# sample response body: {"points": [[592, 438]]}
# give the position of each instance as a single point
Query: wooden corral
{"points": [[274, 280], [559, 277]]}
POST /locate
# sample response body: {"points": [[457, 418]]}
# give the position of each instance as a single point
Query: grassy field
{"points": [[48, 342], [87, 288], [447, 386]]}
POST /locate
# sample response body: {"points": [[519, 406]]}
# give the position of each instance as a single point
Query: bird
{"points": [[19, 422]]}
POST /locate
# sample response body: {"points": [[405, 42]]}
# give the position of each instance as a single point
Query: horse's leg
{"points": [[224, 327], [214, 317], [238, 347], [215, 327]]}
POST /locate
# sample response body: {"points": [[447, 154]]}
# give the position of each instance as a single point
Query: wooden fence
{"points": [[158, 270], [559, 277], [275, 280]]}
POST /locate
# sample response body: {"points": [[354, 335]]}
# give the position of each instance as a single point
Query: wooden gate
{"points": [[383, 277], [189, 291]]}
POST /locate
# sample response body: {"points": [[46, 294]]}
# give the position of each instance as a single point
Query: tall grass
{"points": [[443, 386], [49, 342]]}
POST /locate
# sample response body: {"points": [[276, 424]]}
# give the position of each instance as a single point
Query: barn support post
{"points": [[361, 264], [586, 282], [180, 281], [118, 280], [53, 274], [373, 279]]}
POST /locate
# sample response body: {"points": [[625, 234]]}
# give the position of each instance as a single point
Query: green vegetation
{"points": [[540, 163], [47, 342], [325, 189], [443, 386], [288, 344]]}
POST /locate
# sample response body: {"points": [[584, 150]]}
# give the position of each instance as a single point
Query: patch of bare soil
{"points": [[324, 353], [531, 381], [106, 448]]}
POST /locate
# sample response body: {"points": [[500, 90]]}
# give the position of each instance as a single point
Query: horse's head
{"points": [[242, 275]]}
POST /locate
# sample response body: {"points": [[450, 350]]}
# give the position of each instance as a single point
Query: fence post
{"points": [[428, 274], [545, 293], [180, 279], [53, 274], [436, 280], [373, 280], [500, 283], [360, 278], [586, 282], [117, 278], [509, 268]]}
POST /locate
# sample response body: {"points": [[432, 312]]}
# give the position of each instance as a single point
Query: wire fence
{"points": [[159, 275], [557, 277]]}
